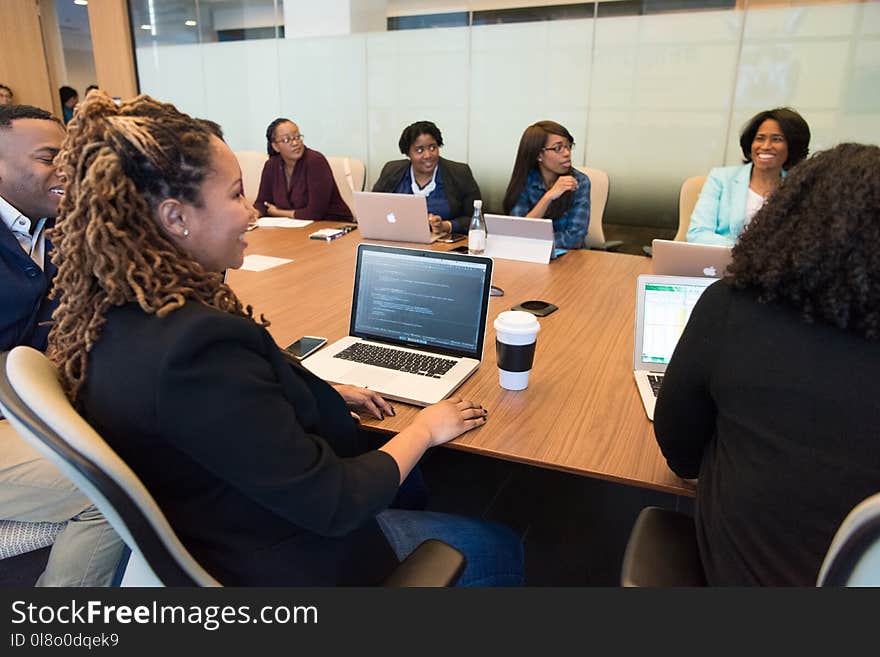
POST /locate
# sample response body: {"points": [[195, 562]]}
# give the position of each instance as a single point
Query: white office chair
{"points": [[251, 163], [687, 200], [33, 401], [599, 187], [350, 176]]}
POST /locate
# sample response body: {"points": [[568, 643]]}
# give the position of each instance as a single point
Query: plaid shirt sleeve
{"points": [[570, 229]]}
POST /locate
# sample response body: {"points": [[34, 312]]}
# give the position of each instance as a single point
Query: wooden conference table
{"points": [[581, 412]]}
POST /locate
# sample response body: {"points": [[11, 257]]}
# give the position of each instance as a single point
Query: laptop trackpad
{"points": [[380, 380]]}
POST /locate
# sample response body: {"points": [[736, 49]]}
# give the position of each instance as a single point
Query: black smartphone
{"points": [[304, 346], [459, 249]]}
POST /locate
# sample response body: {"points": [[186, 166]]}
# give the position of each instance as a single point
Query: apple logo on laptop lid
{"points": [[391, 218], [709, 271]]}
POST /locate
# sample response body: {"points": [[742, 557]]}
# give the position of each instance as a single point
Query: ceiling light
{"points": [[146, 27], [190, 23], [81, 3]]}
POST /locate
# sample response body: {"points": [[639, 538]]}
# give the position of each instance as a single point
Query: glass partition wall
{"points": [[654, 91]]}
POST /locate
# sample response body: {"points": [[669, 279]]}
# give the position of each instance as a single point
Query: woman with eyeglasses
{"points": [[448, 187], [544, 185], [297, 182]]}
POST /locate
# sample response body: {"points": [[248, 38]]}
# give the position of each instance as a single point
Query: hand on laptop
{"points": [[438, 225], [362, 399], [450, 418]]}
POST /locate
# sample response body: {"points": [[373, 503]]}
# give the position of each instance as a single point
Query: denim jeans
{"points": [[494, 554]]}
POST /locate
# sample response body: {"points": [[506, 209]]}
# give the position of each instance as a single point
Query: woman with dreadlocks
{"points": [[256, 462]]}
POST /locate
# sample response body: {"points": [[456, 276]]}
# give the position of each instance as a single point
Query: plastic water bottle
{"points": [[477, 231]]}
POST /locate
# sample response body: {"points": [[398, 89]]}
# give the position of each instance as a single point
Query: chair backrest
{"points": [[350, 176], [251, 163], [854, 556], [599, 185], [33, 401], [687, 199]]}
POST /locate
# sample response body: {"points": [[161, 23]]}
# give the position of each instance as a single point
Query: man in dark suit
{"points": [[87, 551]]}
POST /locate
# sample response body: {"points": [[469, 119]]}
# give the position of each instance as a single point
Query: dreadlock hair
{"points": [[120, 162]]}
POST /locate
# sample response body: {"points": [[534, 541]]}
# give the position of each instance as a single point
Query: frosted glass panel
{"points": [[523, 73], [323, 90], [817, 60], [661, 92], [241, 87], [416, 75], [174, 74]]}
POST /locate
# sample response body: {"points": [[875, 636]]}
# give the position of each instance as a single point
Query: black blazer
{"points": [[23, 289], [458, 181], [256, 462]]}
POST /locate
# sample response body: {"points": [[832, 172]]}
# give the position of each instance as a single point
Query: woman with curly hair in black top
{"points": [[771, 398]]}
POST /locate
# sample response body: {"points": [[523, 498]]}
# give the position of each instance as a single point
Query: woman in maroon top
{"points": [[297, 181]]}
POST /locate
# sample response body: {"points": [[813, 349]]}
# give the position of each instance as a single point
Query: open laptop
{"points": [[519, 238], [663, 306], [393, 217], [418, 320], [672, 258]]}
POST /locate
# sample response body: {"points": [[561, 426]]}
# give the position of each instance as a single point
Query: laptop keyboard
{"points": [[655, 380], [396, 359]]}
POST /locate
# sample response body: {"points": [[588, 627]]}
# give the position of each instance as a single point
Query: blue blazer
{"points": [[23, 303], [720, 211]]}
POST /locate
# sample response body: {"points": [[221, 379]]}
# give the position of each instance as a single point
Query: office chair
{"points": [[662, 550], [350, 176], [687, 200], [251, 163], [32, 399], [599, 187]]}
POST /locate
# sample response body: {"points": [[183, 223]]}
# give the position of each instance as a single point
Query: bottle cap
{"points": [[478, 204]]}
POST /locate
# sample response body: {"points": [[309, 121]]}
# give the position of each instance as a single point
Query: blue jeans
{"points": [[494, 554]]}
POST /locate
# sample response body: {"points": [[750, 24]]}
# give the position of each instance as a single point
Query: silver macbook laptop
{"points": [[393, 217], [519, 238], [418, 320], [672, 258], [663, 306]]}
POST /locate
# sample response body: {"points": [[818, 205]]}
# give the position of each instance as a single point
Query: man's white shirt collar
{"points": [[34, 245]]}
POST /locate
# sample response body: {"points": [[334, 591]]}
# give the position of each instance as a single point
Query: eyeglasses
{"points": [[289, 139], [431, 148], [558, 148]]}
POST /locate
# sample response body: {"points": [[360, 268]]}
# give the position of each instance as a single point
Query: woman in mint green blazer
{"points": [[772, 142]]}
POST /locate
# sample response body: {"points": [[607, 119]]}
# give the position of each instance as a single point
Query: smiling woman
{"points": [[772, 142], [257, 463], [449, 187]]}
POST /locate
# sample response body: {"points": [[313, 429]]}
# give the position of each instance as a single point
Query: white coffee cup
{"points": [[516, 334]]}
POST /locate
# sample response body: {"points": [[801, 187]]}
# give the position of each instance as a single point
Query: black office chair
{"points": [[662, 550], [33, 401]]}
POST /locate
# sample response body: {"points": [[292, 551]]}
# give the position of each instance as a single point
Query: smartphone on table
{"points": [[305, 346], [452, 239]]}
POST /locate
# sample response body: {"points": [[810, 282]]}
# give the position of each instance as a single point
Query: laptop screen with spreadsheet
{"points": [[664, 305], [421, 299]]}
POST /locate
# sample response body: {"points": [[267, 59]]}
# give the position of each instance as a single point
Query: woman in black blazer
{"points": [[449, 187], [256, 462]]}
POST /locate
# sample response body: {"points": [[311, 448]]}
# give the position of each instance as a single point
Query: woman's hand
{"points": [[274, 211], [563, 184], [438, 225], [361, 399], [450, 418]]}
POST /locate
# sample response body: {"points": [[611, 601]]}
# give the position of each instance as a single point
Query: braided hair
{"points": [[119, 163]]}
